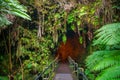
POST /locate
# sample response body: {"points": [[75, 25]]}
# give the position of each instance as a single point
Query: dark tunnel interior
{"points": [[71, 48]]}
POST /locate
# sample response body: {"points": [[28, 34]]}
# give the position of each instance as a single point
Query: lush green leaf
{"points": [[108, 34]]}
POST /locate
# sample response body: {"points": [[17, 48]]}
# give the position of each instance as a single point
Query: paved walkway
{"points": [[63, 72]]}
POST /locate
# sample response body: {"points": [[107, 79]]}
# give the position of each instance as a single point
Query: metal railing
{"points": [[47, 72], [78, 71]]}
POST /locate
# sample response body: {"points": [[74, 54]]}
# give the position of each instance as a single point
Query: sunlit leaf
{"points": [[64, 38], [81, 40]]}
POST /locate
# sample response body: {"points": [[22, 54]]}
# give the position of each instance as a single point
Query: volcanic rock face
{"points": [[71, 48]]}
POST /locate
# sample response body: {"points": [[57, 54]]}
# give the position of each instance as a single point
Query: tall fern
{"points": [[109, 34], [106, 63], [12, 7]]}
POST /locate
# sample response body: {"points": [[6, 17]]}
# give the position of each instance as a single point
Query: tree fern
{"points": [[106, 63], [103, 59], [110, 73], [108, 34]]}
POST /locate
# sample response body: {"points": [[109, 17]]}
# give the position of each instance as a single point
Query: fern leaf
{"points": [[21, 14], [107, 62], [108, 34], [110, 73], [98, 56]]}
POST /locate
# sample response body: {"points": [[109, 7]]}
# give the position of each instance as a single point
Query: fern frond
{"points": [[12, 7], [110, 74], [99, 56], [107, 62], [18, 12], [108, 34], [115, 79]]}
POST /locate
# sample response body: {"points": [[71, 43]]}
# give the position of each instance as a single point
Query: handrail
{"points": [[51, 66], [76, 69]]}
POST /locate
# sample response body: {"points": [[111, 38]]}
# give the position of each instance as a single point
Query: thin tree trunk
{"points": [[10, 56], [39, 31]]}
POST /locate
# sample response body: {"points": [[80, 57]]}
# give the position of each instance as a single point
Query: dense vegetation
{"points": [[105, 61], [31, 30]]}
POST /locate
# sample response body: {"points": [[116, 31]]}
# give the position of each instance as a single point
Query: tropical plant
{"points": [[28, 49], [33, 53], [11, 7], [106, 63], [108, 34], [8, 10]]}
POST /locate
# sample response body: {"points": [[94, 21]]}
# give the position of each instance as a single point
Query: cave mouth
{"points": [[71, 47]]}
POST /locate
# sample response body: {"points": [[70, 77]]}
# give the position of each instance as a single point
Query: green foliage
{"points": [[34, 53], [36, 50], [107, 61], [12, 7], [73, 27], [64, 38], [100, 60], [81, 40], [113, 72], [71, 18], [108, 34], [3, 78], [4, 20]]}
